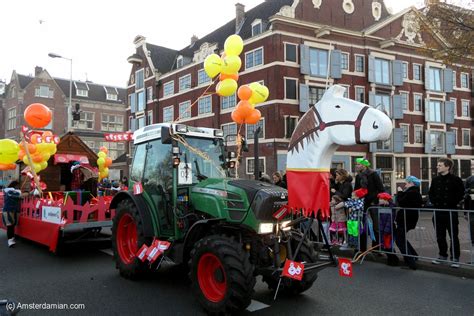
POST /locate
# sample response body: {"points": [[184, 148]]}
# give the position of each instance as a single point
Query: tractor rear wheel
{"points": [[221, 274], [127, 238]]}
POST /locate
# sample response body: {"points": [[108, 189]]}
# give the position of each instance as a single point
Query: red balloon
{"points": [[254, 117], [37, 115]]}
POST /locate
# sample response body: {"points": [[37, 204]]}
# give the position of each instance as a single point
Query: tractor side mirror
{"points": [[166, 135]]}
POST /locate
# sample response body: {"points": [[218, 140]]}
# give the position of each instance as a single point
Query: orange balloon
{"points": [[36, 139], [222, 77], [21, 154], [37, 115], [104, 149], [244, 107], [37, 157], [254, 117], [7, 166], [244, 92], [237, 117], [108, 161], [48, 133]]}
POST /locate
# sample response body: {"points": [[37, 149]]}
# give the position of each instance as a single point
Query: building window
{"points": [[140, 101], [112, 123], [405, 70], [140, 122], [149, 94], [435, 113], [464, 80], [400, 171], [251, 166], [455, 102], [203, 77], [140, 80], [406, 133], [437, 142], [82, 93], [184, 83], [149, 118], [465, 108], [318, 59], [204, 105], [251, 129], [315, 94], [359, 63], [290, 52], [86, 121], [290, 125], [360, 94], [385, 145], [229, 129], [254, 58], [44, 92], [382, 103], [417, 72], [466, 137], [228, 102], [384, 162], [290, 89], [256, 28], [454, 79], [344, 61], [346, 91], [455, 131], [185, 109], [168, 88], [418, 134], [179, 62], [11, 117], [132, 101], [111, 93], [382, 71], [404, 98], [168, 114], [418, 102], [435, 79]]}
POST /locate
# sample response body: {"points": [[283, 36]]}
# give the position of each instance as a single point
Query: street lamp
{"points": [[69, 119]]}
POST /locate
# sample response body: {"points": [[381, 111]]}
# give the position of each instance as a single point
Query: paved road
{"points": [[30, 274]]}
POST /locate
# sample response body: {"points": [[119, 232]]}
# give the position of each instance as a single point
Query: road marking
{"points": [[256, 305], [107, 251]]}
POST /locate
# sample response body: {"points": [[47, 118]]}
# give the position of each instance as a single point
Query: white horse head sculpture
{"points": [[333, 121]]}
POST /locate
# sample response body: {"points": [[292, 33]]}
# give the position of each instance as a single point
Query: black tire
{"points": [[294, 287], [234, 266], [129, 268]]}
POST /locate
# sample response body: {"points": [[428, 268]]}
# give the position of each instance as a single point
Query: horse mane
{"points": [[308, 126]]}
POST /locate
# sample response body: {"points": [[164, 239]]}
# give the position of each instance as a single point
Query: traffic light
{"points": [[76, 114]]}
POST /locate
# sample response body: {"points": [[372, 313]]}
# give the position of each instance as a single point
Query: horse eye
{"points": [[338, 106]]}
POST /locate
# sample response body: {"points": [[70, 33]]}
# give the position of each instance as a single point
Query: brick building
{"points": [[102, 108], [298, 47]]}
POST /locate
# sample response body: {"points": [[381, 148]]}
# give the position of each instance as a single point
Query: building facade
{"points": [[299, 47]]}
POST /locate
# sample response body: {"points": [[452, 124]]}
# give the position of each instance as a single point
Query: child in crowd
{"points": [[338, 221], [386, 220], [355, 205], [11, 209]]}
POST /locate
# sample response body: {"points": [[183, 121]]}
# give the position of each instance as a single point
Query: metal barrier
{"points": [[426, 236]]}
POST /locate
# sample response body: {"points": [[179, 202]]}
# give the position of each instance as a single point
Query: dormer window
{"points": [[111, 93], [44, 92], [257, 27], [82, 89], [179, 62]]}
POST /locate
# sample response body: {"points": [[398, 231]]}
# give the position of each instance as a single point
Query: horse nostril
{"points": [[375, 126]]}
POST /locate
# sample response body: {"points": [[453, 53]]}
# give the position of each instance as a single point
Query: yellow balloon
{"points": [[212, 65], [259, 93], [226, 87], [105, 172], [25, 160], [101, 162], [43, 165], [46, 156], [42, 148], [53, 150], [9, 150], [101, 154], [233, 45], [231, 65], [37, 167]]}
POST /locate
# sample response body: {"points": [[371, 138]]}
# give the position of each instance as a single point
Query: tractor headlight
{"points": [[265, 228], [284, 226]]}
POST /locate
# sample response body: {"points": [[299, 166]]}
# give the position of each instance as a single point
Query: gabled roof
{"points": [[96, 91], [24, 80], [163, 58]]}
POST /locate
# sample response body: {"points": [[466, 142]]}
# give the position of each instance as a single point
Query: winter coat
{"points": [[469, 194], [409, 198], [386, 219], [446, 191], [338, 216], [344, 189], [370, 180], [12, 198]]}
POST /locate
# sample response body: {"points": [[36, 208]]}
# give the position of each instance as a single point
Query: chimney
{"points": [[194, 39], [431, 2], [239, 16], [38, 70]]}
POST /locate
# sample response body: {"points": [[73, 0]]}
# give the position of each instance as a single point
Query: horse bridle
{"points": [[323, 125]]}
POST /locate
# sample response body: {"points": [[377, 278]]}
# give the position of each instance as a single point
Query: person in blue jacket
{"points": [[11, 209]]}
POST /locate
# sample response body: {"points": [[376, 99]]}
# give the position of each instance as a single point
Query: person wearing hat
{"points": [[386, 226], [369, 179], [410, 198], [355, 206]]}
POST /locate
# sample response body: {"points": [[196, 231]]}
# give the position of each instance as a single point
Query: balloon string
{"points": [[30, 161]]}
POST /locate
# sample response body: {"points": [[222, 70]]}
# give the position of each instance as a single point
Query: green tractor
{"points": [[220, 228]]}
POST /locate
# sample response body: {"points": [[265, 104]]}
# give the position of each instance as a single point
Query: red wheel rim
{"points": [[127, 238], [211, 277]]}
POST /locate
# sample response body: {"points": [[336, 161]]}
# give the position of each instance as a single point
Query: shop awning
{"points": [[65, 158]]}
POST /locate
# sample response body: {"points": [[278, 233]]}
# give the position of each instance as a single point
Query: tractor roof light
{"points": [[219, 133], [175, 150], [180, 128]]}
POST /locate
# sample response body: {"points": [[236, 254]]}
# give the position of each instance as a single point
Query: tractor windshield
{"points": [[203, 158]]}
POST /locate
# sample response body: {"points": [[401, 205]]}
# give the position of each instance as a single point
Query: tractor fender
{"points": [[194, 233], [142, 207]]}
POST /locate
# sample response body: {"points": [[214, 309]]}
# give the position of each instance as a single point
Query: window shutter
{"points": [[427, 142], [448, 80], [336, 71], [373, 147], [427, 110], [372, 99], [449, 112], [450, 142], [371, 69], [304, 98], [397, 73], [427, 78], [304, 59], [397, 107], [134, 124], [398, 141]]}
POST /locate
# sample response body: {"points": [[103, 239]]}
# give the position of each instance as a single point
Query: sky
{"points": [[98, 35]]}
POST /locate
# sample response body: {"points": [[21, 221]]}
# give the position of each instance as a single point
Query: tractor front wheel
{"points": [[221, 274]]}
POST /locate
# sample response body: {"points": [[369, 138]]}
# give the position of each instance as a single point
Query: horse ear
{"points": [[336, 91]]}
